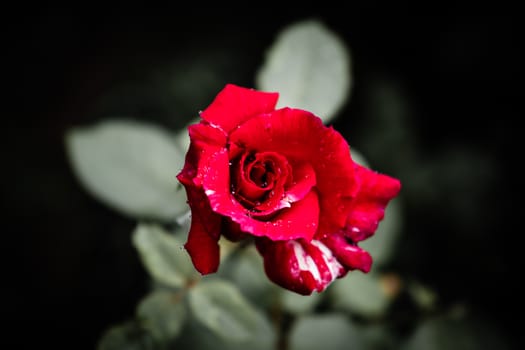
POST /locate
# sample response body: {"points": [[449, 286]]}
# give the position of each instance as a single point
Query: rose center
{"points": [[260, 173], [258, 178]]}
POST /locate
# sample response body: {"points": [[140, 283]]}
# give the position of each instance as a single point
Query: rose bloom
{"points": [[285, 179]]}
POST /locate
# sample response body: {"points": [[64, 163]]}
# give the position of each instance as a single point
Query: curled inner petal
{"points": [[258, 180], [301, 182]]}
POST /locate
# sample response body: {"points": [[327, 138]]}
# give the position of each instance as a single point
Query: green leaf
{"points": [[126, 336], [197, 336], [360, 294], [309, 66], [163, 255], [358, 157], [129, 166], [182, 137], [379, 336], [245, 269], [423, 296], [221, 307], [456, 333], [331, 331], [299, 304], [163, 314]]}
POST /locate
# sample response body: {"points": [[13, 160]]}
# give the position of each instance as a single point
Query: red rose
{"points": [[286, 179]]}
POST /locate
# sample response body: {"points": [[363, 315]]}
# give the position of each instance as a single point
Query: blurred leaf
{"points": [[358, 157], [454, 333], [197, 336], [245, 269], [332, 331], [299, 304], [126, 336], [163, 314], [310, 68], [129, 166], [182, 137], [163, 255], [379, 336], [221, 307], [360, 294], [423, 295], [383, 243]]}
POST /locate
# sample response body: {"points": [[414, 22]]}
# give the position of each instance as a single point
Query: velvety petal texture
{"points": [[202, 244], [368, 207], [234, 105], [301, 136], [287, 180]]}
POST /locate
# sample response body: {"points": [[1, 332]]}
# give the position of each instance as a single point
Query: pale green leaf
{"points": [[197, 336], [309, 65], [359, 158], [126, 336], [330, 331], [424, 296], [245, 269], [221, 308], [299, 304], [163, 255], [360, 294], [182, 136], [129, 166], [163, 314]]}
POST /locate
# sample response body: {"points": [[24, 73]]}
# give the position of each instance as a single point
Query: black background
{"points": [[70, 269]]}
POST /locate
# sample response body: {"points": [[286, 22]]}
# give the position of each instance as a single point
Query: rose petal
{"points": [[303, 179], [350, 255], [232, 231], [298, 265], [281, 266], [205, 140], [300, 136], [299, 221], [202, 244], [234, 105], [327, 264], [375, 191]]}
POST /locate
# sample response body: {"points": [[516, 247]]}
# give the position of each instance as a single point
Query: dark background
{"points": [[70, 269]]}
